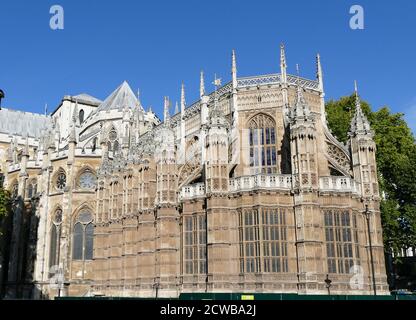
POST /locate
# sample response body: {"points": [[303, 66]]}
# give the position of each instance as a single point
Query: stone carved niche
{"points": [[338, 158]]}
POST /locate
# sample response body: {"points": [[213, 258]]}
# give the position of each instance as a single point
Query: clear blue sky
{"points": [[155, 45]]}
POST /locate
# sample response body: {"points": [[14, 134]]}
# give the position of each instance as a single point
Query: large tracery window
{"points": [[341, 237], [262, 139], [195, 244], [87, 180], [55, 243], [263, 240], [83, 235]]}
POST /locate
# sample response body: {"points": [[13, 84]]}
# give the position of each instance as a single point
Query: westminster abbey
{"points": [[245, 190]]}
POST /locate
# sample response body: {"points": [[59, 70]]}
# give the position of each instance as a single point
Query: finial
{"points": [[359, 122], [166, 109], [46, 109], [356, 88], [282, 55], [357, 97], [234, 70], [176, 107], [283, 65], [202, 85], [216, 83], [319, 73], [183, 102], [138, 94]]}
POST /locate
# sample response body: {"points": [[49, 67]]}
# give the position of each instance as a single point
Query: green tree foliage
{"points": [[4, 210], [4, 203], [396, 162]]}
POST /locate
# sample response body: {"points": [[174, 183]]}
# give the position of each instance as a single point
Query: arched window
{"points": [[54, 249], [116, 147], [81, 116], [32, 188], [87, 180], [83, 237], [262, 138], [112, 135]]}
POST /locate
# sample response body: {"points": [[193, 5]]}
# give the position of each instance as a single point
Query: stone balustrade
{"points": [[338, 184]]}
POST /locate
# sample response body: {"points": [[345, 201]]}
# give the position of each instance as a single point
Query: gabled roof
{"points": [[88, 98], [121, 98], [23, 124]]}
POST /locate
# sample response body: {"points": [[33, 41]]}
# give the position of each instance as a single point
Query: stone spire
{"points": [[202, 85], [234, 70], [319, 74], [176, 107], [183, 101], [166, 105], [283, 65], [182, 148], [359, 123]]}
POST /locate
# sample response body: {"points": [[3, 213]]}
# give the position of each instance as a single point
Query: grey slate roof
{"points": [[88, 98], [123, 96], [23, 123]]}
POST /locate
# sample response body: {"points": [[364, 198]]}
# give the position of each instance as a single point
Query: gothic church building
{"points": [[245, 190]]}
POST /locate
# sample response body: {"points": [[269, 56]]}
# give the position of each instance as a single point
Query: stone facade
{"points": [[246, 190]]}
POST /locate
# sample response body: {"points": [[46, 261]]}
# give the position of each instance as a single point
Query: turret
{"points": [[235, 131], [217, 151], [303, 144], [363, 150]]}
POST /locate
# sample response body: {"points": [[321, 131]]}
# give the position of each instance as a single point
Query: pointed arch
{"points": [[263, 144], [86, 178], [55, 236], [83, 233], [261, 120]]}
